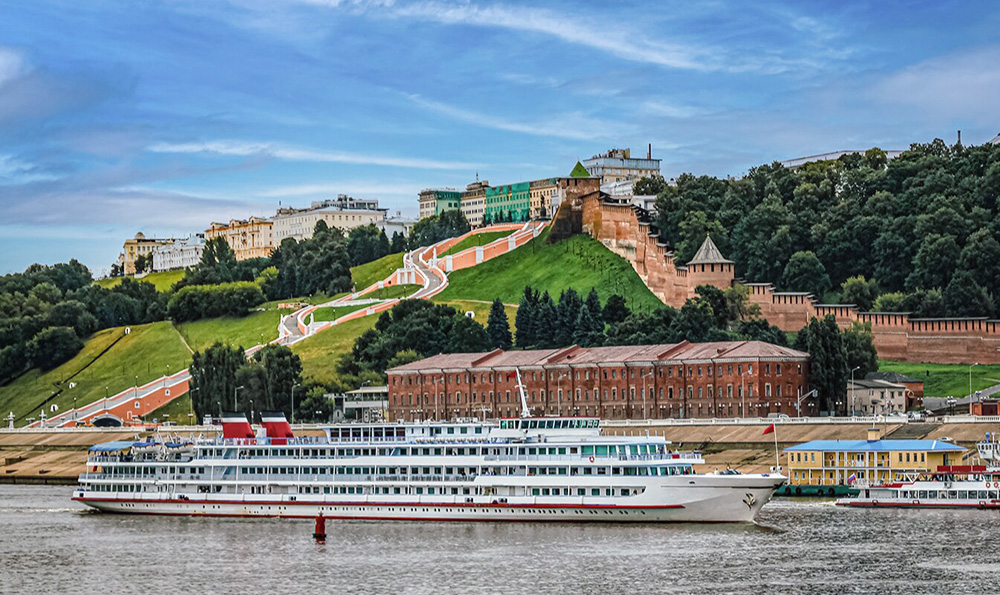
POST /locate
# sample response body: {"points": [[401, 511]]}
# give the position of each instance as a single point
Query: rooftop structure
{"points": [[618, 165]]}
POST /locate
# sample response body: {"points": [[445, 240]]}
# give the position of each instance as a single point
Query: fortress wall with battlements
{"points": [[896, 336]]}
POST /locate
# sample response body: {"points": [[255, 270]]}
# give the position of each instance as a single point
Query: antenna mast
{"points": [[525, 411]]}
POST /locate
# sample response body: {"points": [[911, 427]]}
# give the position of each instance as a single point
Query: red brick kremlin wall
{"points": [[896, 336]]}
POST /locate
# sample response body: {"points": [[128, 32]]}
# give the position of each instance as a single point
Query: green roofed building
{"points": [[579, 171], [434, 201]]}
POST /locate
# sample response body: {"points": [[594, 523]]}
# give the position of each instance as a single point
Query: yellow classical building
{"points": [[140, 246], [841, 462], [250, 238]]}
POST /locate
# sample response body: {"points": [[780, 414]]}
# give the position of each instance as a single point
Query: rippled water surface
{"points": [[49, 544]]}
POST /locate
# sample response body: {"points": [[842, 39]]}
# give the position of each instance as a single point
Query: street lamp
{"points": [[970, 378], [235, 392], [854, 394], [293, 401]]}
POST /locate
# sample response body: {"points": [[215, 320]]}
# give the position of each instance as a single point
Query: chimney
{"points": [[649, 151], [873, 434], [959, 137], [236, 426], [276, 426]]}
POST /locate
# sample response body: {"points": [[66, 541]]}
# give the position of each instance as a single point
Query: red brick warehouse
{"points": [[683, 380]]}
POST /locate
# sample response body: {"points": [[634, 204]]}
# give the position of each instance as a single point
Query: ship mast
{"points": [[525, 411]]}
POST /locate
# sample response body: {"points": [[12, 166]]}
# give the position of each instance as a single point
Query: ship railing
{"points": [[670, 456]]}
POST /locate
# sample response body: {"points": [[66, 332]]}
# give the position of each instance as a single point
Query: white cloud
{"points": [[15, 171], [671, 110], [570, 125], [12, 64], [361, 189], [287, 153], [963, 85]]}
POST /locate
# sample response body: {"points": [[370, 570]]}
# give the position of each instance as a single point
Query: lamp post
{"points": [[970, 378], [293, 401], [251, 410], [236, 392], [854, 395]]}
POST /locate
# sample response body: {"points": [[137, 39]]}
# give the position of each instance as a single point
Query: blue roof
{"points": [[113, 446], [877, 445]]}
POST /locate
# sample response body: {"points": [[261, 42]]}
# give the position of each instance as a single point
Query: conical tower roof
{"points": [[579, 171], [709, 254]]}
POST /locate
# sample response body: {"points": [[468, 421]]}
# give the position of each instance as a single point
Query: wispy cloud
{"points": [[290, 153], [957, 86], [12, 64], [363, 189], [16, 171], [570, 125]]}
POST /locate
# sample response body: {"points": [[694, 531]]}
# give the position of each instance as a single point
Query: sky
{"points": [[161, 117]]}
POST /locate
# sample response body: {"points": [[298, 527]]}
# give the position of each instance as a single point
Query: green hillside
{"points": [[163, 280], [244, 331], [578, 262], [331, 314], [144, 353], [376, 270], [480, 239], [943, 380], [480, 310], [321, 352], [175, 411]]}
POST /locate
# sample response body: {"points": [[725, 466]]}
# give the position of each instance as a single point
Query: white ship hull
{"points": [[701, 498]]}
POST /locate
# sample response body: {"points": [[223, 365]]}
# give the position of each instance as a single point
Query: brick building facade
{"points": [[683, 380]]}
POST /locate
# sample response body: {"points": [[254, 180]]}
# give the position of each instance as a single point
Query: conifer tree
{"points": [[566, 314], [497, 326], [586, 334], [546, 321], [525, 318]]}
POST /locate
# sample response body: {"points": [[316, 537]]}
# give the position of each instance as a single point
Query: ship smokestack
{"points": [[276, 426], [236, 426]]}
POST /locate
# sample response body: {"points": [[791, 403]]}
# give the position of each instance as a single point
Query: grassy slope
{"points": [[480, 239], [376, 270], [163, 280], [481, 310], [320, 353], [578, 262], [330, 314], [145, 352], [942, 380], [246, 331], [175, 411], [393, 291]]}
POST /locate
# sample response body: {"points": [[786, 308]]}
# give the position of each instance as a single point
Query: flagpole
{"points": [[777, 463]]}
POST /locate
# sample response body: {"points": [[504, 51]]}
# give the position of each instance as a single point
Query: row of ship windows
{"points": [[949, 494], [365, 490], [436, 472], [857, 459]]}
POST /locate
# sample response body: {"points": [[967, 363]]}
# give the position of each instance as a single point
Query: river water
{"points": [[48, 544]]}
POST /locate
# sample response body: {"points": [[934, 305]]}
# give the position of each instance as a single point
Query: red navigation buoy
{"points": [[319, 532]]}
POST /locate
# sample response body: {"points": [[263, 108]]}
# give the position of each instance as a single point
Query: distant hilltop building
{"points": [[618, 165], [800, 161], [179, 254], [249, 238], [344, 212], [139, 247], [434, 201]]}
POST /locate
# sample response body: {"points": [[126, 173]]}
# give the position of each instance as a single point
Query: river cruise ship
{"points": [[519, 469]]}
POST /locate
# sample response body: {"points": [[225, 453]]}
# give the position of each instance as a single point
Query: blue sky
{"points": [[117, 117]]}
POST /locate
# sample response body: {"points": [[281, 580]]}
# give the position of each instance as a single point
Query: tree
{"points": [[586, 332], [695, 321], [889, 302], [524, 320], [716, 298], [615, 309], [398, 243], [366, 243], [981, 257], [593, 302], [827, 360], [282, 371], [934, 263], [759, 329], [649, 186], [567, 313], [804, 272], [860, 349], [643, 329], [498, 327], [964, 297], [213, 378], [53, 346], [858, 291], [546, 321]]}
